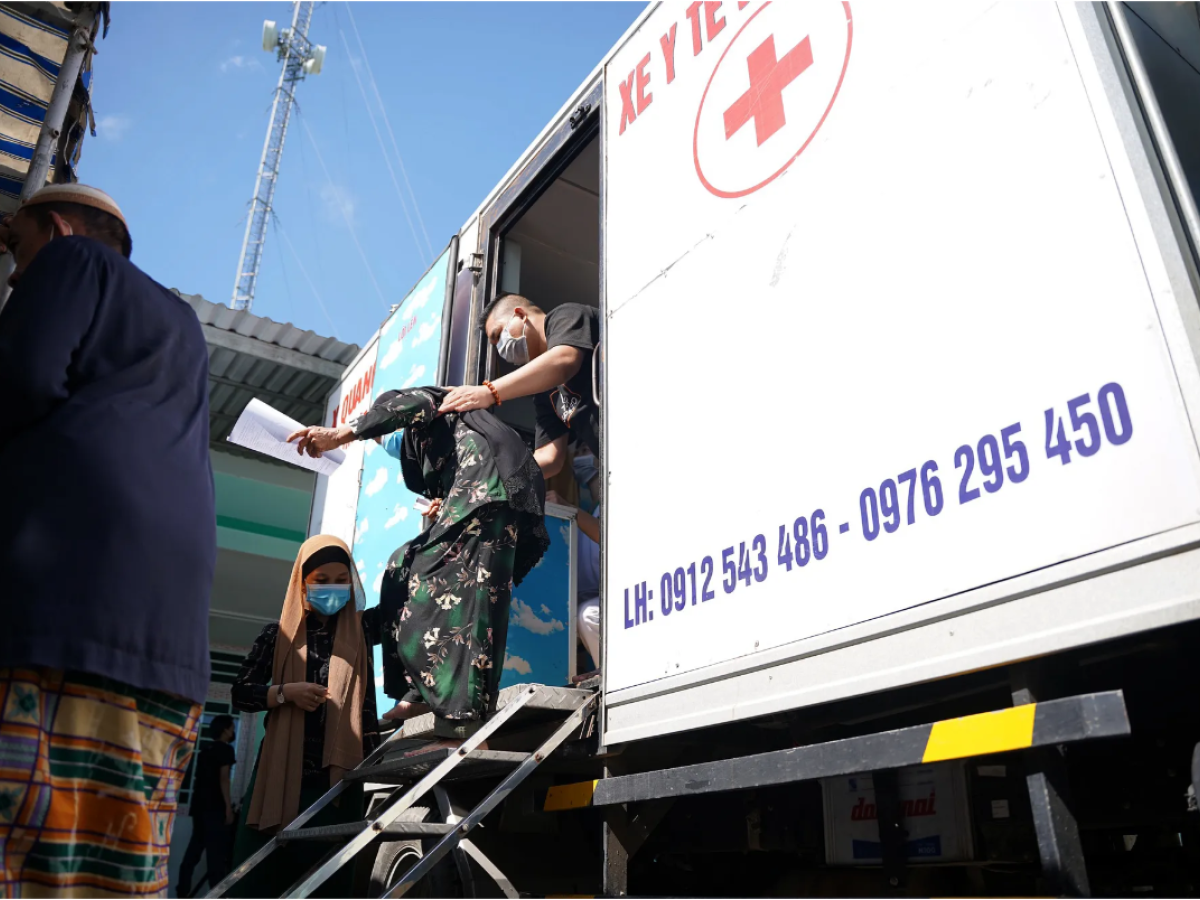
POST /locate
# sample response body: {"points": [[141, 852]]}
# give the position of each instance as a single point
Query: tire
{"points": [[394, 858], [397, 857], [391, 861]]}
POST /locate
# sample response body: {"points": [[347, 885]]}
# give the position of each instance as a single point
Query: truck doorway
{"points": [[542, 240]]}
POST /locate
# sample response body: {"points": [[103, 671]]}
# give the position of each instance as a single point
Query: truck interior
{"points": [[550, 254], [1168, 40]]}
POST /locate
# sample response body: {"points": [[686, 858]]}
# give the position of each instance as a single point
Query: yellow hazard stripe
{"points": [[570, 796], [990, 732], [978, 735]]}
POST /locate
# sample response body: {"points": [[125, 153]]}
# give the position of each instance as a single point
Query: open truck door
{"points": [[540, 236]]}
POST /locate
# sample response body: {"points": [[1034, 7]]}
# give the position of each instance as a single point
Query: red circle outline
{"points": [[696, 131]]}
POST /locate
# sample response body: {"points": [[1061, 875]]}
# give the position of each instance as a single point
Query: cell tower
{"points": [[300, 57]]}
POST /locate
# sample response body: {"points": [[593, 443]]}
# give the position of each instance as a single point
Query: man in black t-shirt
{"points": [[554, 352], [211, 808]]}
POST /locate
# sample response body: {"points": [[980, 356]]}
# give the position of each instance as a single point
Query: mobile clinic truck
{"points": [[900, 392]]}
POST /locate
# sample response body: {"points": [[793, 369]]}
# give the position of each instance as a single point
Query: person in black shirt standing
{"points": [[211, 808], [554, 352]]}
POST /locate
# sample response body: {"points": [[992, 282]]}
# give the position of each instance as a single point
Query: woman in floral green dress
{"points": [[445, 594]]}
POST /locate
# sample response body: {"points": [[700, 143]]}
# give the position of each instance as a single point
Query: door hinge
{"points": [[475, 263], [579, 115]]}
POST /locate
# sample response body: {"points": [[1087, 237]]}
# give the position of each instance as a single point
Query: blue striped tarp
{"points": [[33, 42]]}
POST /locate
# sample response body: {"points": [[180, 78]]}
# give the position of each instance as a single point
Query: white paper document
{"points": [[265, 430]]}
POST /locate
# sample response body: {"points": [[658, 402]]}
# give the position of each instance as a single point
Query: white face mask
{"points": [[514, 351]]}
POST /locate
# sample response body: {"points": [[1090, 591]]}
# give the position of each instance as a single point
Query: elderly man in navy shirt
{"points": [[107, 548]]}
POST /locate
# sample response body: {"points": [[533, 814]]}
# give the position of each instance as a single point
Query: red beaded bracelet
{"points": [[495, 393]]}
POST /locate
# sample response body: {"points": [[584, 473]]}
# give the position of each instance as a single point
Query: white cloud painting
{"points": [[378, 480], [393, 354], [421, 296], [414, 375], [524, 616], [426, 331], [518, 665]]}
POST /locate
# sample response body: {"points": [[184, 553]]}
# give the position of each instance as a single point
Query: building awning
{"points": [[249, 356]]}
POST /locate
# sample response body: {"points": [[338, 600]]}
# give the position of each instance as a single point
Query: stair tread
{"points": [[350, 829], [548, 702], [472, 765]]}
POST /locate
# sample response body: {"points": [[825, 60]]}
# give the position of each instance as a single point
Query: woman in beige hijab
{"points": [[312, 674]]}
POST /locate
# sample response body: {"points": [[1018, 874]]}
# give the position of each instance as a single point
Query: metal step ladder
{"points": [[398, 816]]}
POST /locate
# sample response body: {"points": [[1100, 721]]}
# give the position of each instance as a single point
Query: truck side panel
{"points": [[874, 278]]}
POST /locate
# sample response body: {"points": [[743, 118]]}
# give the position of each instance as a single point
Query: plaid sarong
{"points": [[90, 771]]}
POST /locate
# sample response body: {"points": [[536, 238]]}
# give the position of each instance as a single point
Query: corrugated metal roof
{"points": [[235, 377]]}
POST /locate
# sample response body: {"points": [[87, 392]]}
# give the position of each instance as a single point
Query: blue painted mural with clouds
{"points": [[539, 621], [407, 356]]}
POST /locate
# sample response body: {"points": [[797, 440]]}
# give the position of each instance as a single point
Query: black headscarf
{"points": [[523, 481], [330, 554]]}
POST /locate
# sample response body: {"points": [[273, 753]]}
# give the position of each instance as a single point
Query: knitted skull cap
{"points": [[81, 194]]}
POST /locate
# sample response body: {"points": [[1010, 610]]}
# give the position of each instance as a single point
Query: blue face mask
{"points": [[392, 443], [328, 599]]}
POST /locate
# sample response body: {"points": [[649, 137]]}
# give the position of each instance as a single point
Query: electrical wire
{"points": [[387, 124], [303, 271], [342, 209], [337, 22], [287, 284], [382, 148]]}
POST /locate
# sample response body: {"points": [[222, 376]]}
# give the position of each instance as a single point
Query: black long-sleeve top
{"points": [[253, 682]]}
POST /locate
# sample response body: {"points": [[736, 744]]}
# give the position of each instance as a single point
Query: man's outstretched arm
{"points": [[554, 367]]}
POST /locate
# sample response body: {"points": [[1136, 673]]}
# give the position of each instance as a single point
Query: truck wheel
{"points": [[393, 860], [397, 857]]}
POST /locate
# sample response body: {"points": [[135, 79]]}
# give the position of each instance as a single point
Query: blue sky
{"points": [[182, 99]]}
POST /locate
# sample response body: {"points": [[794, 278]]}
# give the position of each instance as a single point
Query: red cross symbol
{"points": [[768, 77]]}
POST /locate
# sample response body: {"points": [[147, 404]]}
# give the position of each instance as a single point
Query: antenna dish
{"points": [[270, 35], [314, 64]]}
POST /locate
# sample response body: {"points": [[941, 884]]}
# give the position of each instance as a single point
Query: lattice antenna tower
{"points": [[299, 57]]}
